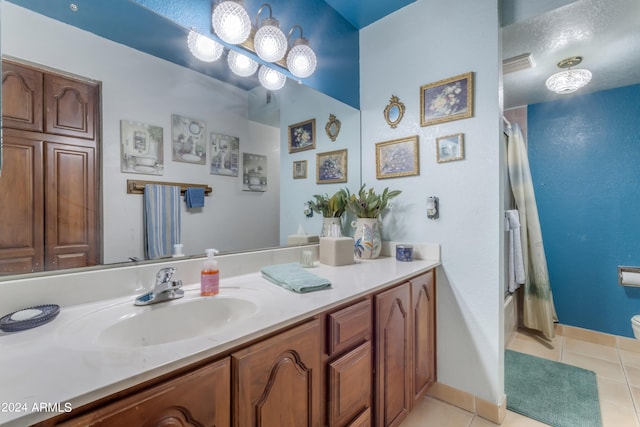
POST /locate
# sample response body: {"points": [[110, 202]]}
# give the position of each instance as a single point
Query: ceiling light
{"points": [[269, 42], [271, 79], [570, 80], [241, 65], [231, 22], [204, 48], [301, 60]]}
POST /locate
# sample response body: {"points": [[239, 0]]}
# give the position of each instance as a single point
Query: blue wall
{"points": [[585, 163]]}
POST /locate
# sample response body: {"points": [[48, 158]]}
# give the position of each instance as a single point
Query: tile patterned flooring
{"points": [[617, 368]]}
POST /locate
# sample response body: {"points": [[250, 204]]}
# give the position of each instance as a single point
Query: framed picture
{"points": [[450, 148], [300, 169], [302, 136], [254, 177], [331, 167], [141, 148], [188, 140], [446, 100], [397, 158], [224, 153]]}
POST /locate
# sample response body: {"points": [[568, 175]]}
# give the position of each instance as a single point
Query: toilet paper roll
{"points": [[630, 278]]}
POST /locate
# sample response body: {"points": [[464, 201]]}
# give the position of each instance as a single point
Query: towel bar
{"points": [[136, 186]]}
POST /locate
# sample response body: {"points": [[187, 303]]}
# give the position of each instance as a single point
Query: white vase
{"points": [[328, 228], [367, 241]]}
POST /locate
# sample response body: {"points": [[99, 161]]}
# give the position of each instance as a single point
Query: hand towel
{"points": [[516, 261], [294, 278], [194, 197], [161, 217]]}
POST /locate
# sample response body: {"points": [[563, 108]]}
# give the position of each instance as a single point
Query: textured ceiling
{"points": [[606, 33]]}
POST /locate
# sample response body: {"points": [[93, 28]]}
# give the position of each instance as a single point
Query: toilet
{"points": [[635, 325]]}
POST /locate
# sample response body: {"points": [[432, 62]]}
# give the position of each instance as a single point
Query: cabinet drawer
{"points": [[348, 327]]}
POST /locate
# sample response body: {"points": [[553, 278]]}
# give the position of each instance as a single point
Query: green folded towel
{"points": [[294, 278]]}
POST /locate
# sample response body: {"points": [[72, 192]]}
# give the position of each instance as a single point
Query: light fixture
{"points": [[570, 80], [231, 22], [241, 65], [269, 42], [301, 59], [204, 48], [271, 79]]}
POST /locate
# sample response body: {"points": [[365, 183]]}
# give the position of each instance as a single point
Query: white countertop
{"points": [[48, 365]]}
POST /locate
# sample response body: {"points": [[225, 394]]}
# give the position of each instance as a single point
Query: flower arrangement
{"points": [[368, 204], [329, 207]]}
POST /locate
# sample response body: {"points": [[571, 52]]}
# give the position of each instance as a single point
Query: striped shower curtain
{"points": [[539, 312], [161, 219]]}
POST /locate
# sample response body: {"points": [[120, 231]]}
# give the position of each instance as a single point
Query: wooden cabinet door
{"points": [[200, 398], [22, 90], [349, 389], [70, 107], [276, 382], [71, 207], [21, 210], [393, 355], [424, 334]]}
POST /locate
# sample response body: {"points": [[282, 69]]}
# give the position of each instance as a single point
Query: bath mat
{"points": [[554, 393]]}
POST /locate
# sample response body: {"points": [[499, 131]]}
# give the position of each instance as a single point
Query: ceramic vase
{"points": [[328, 228], [367, 241]]}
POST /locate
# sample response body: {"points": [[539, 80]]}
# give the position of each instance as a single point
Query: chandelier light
{"points": [[241, 65], [203, 48], [231, 22], [271, 79], [269, 42], [301, 59], [570, 80]]}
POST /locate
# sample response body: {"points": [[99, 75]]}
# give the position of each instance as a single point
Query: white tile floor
{"points": [[617, 372]]}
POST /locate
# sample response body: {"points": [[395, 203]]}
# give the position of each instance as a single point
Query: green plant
{"points": [[329, 207], [368, 204]]}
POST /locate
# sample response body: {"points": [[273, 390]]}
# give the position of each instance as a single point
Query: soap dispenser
{"points": [[210, 275]]}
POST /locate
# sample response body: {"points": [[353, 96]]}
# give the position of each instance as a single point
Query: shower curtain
{"points": [[539, 312]]}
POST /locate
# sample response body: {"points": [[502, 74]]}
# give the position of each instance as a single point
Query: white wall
{"points": [[140, 87], [424, 42], [308, 104]]}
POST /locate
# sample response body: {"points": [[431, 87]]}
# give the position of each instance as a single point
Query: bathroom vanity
{"points": [[358, 354]]}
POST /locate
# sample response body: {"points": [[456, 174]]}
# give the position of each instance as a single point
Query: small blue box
{"points": [[404, 252]]}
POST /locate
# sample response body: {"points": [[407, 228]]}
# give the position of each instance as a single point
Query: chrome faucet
{"points": [[164, 289]]}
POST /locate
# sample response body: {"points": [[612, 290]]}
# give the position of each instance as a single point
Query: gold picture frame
{"points": [[396, 158], [450, 148], [302, 136], [300, 169], [447, 100], [331, 167]]}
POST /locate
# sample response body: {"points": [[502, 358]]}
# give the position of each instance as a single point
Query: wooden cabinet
{"points": [[393, 331], [423, 301], [200, 398], [50, 173], [276, 382]]}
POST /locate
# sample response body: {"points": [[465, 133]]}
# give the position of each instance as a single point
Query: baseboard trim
{"points": [[469, 402]]}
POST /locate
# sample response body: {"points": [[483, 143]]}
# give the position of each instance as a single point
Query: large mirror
{"points": [[144, 91]]}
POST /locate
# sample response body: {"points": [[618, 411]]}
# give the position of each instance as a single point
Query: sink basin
{"points": [[124, 325]]}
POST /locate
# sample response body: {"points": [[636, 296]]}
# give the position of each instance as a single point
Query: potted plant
{"points": [[332, 208], [367, 206]]}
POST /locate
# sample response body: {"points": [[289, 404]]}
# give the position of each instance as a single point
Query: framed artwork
{"points": [[397, 158], [302, 136], [331, 167], [188, 140], [254, 167], [300, 169], [450, 148], [447, 100], [224, 154], [141, 148]]}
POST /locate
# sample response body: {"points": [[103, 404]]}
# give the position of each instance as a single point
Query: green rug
{"points": [[554, 393]]}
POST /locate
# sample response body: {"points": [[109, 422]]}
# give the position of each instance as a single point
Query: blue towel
{"points": [[294, 278], [161, 219], [194, 196]]}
